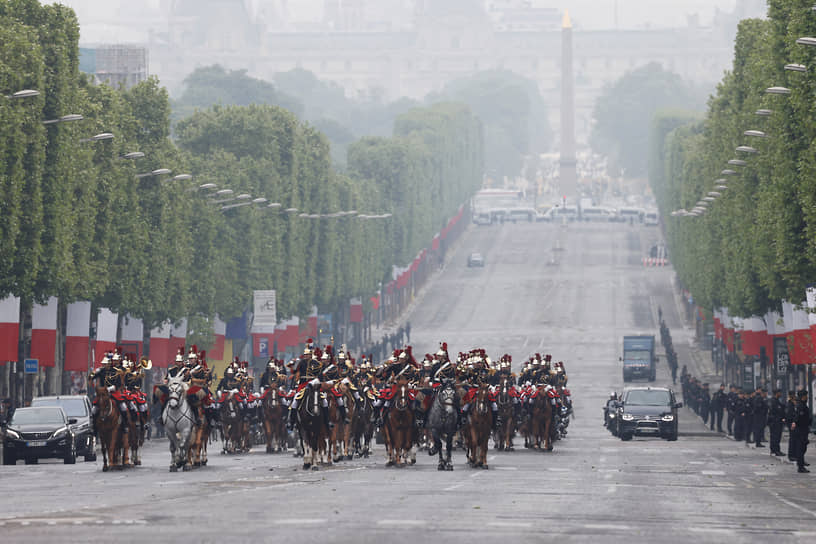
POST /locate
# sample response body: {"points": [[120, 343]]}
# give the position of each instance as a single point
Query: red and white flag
{"points": [[220, 330], [44, 332], [356, 310], [178, 337], [77, 333], [800, 344], [106, 325], [133, 336], [9, 328], [160, 352]]}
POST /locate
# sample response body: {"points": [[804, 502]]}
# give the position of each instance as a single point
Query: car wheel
{"points": [[31, 460], [672, 437], [626, 436], [9, 459]]}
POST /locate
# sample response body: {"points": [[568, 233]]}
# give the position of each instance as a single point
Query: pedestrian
{"points": [[718, 402], [748, 414], [705, 403], [731, 407], [408, 331], [760, 416], [800, 427], [739, 416], [790, 413], [776, 419]]}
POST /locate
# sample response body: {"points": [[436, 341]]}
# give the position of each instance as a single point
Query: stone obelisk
{"points": [[568, 177]]}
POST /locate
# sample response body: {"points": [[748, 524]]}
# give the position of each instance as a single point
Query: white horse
{"points": [[178, 420]]}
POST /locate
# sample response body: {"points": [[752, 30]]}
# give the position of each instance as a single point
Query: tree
{"points": [[624, 111]]}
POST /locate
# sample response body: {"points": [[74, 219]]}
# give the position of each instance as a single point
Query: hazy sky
{"points": [[97, 17]]}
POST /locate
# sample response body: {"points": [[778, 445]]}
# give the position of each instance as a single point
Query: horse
{"points": [[335, 434], [481, 420], [399, 428], [311, 427], [541, 420], [273, 411], [362, 425], [138, 431], [109, 428], [178, 420], [443, 421], [198, 443], [505, 431], [351, 411], [231, 424]]}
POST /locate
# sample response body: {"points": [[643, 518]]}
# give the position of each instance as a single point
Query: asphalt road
{"points": [[702, 488]]}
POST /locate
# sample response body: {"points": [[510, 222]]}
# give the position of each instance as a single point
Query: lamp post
{"points": [[25, 93]]}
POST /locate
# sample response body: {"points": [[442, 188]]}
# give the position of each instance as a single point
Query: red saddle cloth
{"points": [[122, 396], [390, 392], [514, 393]]}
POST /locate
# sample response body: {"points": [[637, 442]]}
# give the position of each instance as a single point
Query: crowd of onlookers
{"points": [[747, 413]]}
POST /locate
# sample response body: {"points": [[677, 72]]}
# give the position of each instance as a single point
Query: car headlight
{"points": [[61, 433], [12, 434], [612, 416], [627, 417], [668, 417]]}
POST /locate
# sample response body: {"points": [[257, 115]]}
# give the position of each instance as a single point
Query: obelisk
{"points": [[568, 177]]}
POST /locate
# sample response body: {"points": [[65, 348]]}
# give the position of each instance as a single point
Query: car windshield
{"points": [[648, 398], [637, 355], [72, 407], [34, 416]]}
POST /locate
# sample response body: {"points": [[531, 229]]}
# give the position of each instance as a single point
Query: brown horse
{"points": [[273, 411], [335, 434], [399, 428], [198, 443], [481, 420], [351, 411], [541, 420], [506, 429], [109, 427]]}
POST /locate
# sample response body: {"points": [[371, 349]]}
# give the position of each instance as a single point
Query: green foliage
{"points": [[754, 247], [512, 112], [624, 111]]}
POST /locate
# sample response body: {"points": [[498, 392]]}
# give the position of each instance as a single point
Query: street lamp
{"points": [[156, 172], [756, 133], [806, 40], [763, 112], [777, 90], [64, 119], [274, 205], [25, 93], [291, 210], [133, 155], [746, 149], [182, 177], [721, 187], [728, 172], [714, 194], [98, 138], [737, 162], [795, 67]]}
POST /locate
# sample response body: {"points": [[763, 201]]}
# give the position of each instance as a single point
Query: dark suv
{"points": [[79, 408], [648, 411], [36, 433]]}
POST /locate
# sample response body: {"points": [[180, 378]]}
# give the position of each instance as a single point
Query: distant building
{"points": [[115, 65]]}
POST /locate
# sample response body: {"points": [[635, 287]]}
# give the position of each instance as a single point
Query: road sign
{"points": [[32, 366]]}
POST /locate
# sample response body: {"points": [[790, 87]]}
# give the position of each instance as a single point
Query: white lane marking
{"points": [[506, 468], [804, 534], [607, 526], [559, 469], [300, 521], [713, 473], [454, 487], [512, 524], [401, 522], [696, 462], [791, 503], [612, 489], [491, 458], [717, 530]]}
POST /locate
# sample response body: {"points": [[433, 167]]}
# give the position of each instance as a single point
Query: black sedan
{"points": [[38, 433], [648, 411], [76, 407]]}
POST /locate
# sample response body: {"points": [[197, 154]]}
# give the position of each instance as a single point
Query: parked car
{"points": [[475, 259], [78, 407], [648, 411], [39, 432]]}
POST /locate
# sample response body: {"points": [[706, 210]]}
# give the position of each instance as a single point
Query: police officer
{"points": [[790, 412], [739, 415], [731, 407], [776, 418], [760, 416], [800, 427], [718, 402], [748, 414], [705, 402]]}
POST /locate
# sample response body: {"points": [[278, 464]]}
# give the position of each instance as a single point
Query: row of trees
{"points": [[510, 107], [80, 224], [756, 244]]}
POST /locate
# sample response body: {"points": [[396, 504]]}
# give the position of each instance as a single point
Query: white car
{"points": [[475, 259]]}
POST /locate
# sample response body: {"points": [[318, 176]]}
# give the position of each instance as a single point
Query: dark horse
{"points": [[310, 423], [504, 434], [443, 421], [362, 426]]}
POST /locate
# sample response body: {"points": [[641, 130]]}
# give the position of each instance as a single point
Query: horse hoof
{"points": [[413, 461], [349, 457], [485, 467], [450, 468], [390, 464], [550, 448], [511, 448], [442, 467], [104, 469], [138, 463], [268, 450], [315, 468], [197, 464], [307, 466], [187, 468], [173, 468]]}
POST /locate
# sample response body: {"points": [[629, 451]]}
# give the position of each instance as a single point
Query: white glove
{"points": [[314, 382], [346, 381]]}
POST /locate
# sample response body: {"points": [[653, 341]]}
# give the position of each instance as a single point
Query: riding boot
{"points": [[419, 418], [290, 419], [343, 414], [326, 420]]}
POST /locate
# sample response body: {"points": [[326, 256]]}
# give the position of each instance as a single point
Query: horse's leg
{"points": [[448, 448], [267, 423]]}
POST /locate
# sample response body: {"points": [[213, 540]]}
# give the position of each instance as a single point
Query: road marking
{"points": [[791, 503], [718, 530], [559, 469], [300, 521], [506, 468], [612, 489], [513, 524], [454, 487], [696, 462], [401, 522], [607, 526], [713, 473], [766, 473]]}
